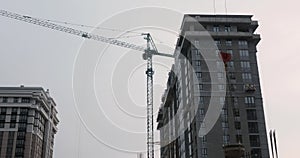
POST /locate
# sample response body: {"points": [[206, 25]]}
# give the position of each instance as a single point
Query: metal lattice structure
{"points": [[149, 52]]}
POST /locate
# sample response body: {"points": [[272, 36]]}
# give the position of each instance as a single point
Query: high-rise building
{"points": [[200, 83], [28, 122]]}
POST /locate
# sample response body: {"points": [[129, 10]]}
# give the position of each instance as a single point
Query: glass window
{"points": [[246, 76], [201, 111], [225, 125], [197, 62], [216, 28], [204, 140], [201, 99], [196, 52], [200, 86], [1, 124], [244, 53], [245, 64], [253, 127], [226, 139], [4, 99], [228, 42], [239, 138], [254, 140], [25, 100], [251, 114], [16, 99], [230, 64], [199, 75], [14, 111], [197, 43], [3, 111], [237, 125], [249, 100], [204, 152], [236, 112], [227, 28], [218, 42], [243, 43]]}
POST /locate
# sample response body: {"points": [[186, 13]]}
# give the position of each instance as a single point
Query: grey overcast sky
{"points": [[36, 56]]}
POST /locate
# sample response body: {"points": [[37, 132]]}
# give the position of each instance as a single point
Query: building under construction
{"points": [[239, 130]]}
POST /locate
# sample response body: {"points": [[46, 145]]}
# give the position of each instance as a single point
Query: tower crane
{"points": [[149, 51]]}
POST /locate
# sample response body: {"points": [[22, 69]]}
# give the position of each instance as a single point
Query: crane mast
{"points": [[149, 51]]}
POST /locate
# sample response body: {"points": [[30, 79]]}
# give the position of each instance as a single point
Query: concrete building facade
{"points": [[28, 122], [241, 119]]}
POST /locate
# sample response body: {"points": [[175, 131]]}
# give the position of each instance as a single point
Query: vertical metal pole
{"points": [[149, 72]]}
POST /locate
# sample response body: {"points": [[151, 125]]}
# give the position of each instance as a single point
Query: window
{"points": [[199, 75], [16, 100], [227, 28], [21, 134], [204, 140], [251, 114], [230, 64], [245, 64], [22, 118], [249, 100], [244, 53], [14, 111], [196, 52], [25, 100], [226, 139], [201, 100], [228, 43], [216, 28], [224, 111], [200, 86], [2, 118], [237, 125], [246, 76], [225, 125], [218, 42], [236, 112], [243, 43], [12, 125], [197, 62], [254, 140], [4, 99], [197, 43], [23, 111], [204, 152], [3, 111], [253, 127], [201, 111], [1, 124], [239, 138], [231, 75]]}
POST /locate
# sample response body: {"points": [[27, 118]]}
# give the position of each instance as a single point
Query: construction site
{"points": [[202, 97]]}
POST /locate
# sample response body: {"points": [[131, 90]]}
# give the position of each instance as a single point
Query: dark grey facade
{"points": [[28, 122], [241, 119]]}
